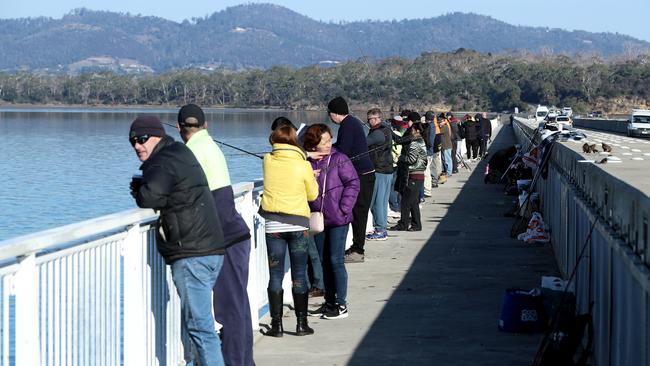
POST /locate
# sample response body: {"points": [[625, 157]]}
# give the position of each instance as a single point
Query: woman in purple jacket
{"points": [[339, 180]]}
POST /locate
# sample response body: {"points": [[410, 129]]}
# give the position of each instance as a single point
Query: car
{"points": [[595, 114], [567, 111], [639, 123], [565, 121]]}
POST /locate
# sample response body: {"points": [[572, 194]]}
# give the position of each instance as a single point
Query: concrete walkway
{"points": [[431, 297]]}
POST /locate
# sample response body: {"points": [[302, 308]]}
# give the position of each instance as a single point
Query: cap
{"points": [[191, 115]]}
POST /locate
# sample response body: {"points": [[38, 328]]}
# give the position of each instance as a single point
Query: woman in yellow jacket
{"points": [[289, 183]]}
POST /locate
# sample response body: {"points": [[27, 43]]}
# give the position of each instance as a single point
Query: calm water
{"points": [[61, 166]]}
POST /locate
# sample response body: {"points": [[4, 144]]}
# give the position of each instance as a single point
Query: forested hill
{"points": [[264, 35]]}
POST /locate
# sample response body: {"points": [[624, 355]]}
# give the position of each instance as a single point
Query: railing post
{"points": [[134, 327], [25, 287], [248, 213]]}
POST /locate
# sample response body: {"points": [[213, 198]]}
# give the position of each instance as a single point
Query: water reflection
{"points": [[62, 166]]}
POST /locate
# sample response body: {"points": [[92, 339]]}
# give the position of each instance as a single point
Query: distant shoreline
{"points": [[360, 109]]}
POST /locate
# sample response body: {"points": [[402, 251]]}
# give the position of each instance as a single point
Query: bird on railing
{"points": [[593, 149], [606, 148], [585, 148], [602, 161]]}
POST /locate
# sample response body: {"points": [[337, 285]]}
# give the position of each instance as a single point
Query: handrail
{"points": [[42, 240], [37, 242]]}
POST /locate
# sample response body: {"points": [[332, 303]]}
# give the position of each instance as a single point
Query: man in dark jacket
{"points": [[486, 133], [455, 138], [188, 232], [230, 300], [471, 131], [380, 144], [351, 140]]}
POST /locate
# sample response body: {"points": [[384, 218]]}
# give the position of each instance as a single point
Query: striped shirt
{"points": [[280, 227]]}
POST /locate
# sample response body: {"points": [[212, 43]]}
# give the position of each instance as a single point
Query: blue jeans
{"points": [[394, 198], [194, 278], [446, 159], [379, 205], [276, 246], [331, 243], [315, 266]]}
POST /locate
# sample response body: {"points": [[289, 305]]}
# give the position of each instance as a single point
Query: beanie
{"points": [[146, 125], [338, 106], [191, 115], [429, 116], [414, 117]]}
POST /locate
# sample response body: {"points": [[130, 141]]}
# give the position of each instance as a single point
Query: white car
{"points": [[567, 111], [639, 123], [565, 121]]}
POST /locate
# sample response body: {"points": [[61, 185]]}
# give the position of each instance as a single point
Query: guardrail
{"points": [[614, 273], [611, 125], [98, 293]]}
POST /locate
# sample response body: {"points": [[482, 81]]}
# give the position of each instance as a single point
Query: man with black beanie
{"points": [[351, 140], [188, 232]]}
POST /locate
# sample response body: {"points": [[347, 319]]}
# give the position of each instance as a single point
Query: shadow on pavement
{"points": [[445, 310]]}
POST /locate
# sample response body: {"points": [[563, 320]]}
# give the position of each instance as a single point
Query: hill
{"points": [[264, 35]]}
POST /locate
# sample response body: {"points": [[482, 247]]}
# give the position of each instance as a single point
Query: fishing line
{"points": [[225, 144]]}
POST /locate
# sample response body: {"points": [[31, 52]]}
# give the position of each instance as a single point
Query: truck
{"points": [[639, 123]]}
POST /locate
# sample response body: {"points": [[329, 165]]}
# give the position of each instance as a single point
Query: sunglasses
{"points": [[139, 139]]}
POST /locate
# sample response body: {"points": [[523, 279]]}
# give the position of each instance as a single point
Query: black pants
{"points": [[483, 149], [472, 148], [231, 307], [410, 206], [360, 212]]}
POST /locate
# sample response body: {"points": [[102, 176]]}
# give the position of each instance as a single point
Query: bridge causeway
{"points": [[430, 297]]}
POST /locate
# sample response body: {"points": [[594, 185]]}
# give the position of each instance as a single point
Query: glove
{"points": [[134, 186]]}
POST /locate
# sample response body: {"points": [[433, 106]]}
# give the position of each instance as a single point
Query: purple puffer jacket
{"points": [[341, 190]]}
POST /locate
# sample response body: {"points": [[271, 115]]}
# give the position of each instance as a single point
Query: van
{"points": [[541, 113], [639, 123], [567, 111]]}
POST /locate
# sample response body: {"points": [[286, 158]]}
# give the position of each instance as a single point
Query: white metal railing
{"points": [[614, 273], [98, 293]]}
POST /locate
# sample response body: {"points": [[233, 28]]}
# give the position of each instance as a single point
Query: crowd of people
{"points": [[314, 190]]}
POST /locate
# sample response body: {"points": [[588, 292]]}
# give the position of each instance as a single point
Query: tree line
{"points": [[461, 80]]}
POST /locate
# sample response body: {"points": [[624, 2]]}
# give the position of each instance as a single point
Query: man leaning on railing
{"points": [[188, 235]]}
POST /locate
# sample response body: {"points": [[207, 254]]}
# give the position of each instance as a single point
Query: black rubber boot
{"points": [[275, 308], [300, 305]]}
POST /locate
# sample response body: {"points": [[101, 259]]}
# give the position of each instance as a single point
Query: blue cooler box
{"points": [[522, 311]]}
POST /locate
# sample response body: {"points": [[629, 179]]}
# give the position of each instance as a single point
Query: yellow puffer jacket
{"points": [[289, 181]]}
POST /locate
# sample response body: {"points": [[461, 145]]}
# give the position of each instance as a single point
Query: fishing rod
{"points": [[520, 154], [545, 342], [225, 144]]}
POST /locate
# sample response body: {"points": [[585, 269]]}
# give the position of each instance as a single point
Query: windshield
{"points": [[562, 119], [541, 114], [641, 119]]}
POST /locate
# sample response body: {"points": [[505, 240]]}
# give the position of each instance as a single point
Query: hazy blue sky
{"points": [[629, 17]]}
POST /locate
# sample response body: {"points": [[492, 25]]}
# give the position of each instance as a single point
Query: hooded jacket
{"points": [[342, 188], [173, 182], [289, 183]]}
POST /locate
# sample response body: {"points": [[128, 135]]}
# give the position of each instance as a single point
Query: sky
{"points": [[630, 17]]}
